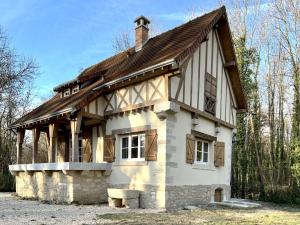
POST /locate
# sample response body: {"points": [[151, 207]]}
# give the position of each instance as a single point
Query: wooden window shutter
{"points": [[109, 148], [219, 154], [151, 145], [210, 94], [190, 148]]}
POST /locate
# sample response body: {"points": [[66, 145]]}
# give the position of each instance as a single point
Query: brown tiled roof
{"points": [[168, 45], [56, 104], [176, 44]]}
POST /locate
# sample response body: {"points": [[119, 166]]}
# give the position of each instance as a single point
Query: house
{"points": [[158, 118]]}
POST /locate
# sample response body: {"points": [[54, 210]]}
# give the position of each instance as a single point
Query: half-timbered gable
{"points": [[204, 83]]}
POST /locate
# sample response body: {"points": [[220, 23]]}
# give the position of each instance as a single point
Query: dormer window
{"points": [[66, 93], [75, 89]]}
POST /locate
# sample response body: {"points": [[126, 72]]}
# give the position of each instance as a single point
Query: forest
{"points": [[266, 147]]}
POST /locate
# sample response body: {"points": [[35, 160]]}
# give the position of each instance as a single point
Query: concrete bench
{"points": [[123, 197]]}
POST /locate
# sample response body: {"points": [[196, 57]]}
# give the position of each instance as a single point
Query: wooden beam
{"points": [[229, 64], [35, 141], [92, 116], [203, 136], [75, 129], [203, 114], [53, 128], [20, 140]]}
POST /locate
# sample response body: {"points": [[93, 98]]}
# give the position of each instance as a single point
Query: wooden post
{"points": [[20, 139], [53, 128], [35, 141], [75, 129]]}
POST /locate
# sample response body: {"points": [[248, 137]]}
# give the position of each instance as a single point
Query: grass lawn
{"points": [[268, 214]]}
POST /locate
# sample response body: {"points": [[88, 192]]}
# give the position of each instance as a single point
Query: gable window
{"points": [[201, 151], [210, 94], [133, 147]]}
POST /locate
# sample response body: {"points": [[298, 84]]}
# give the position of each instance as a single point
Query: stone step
{"points": [[237, 203]]}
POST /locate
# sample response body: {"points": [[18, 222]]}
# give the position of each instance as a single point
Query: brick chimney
{"points": [[141, 32]]}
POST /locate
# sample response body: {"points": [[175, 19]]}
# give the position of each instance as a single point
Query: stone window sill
{"points": [[131, 163], [199, 166]]}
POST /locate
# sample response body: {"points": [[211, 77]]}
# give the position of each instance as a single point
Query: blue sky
{"points": [[65, 36]]}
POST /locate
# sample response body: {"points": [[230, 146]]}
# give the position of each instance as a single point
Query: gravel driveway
{"points": [[14, 211]]}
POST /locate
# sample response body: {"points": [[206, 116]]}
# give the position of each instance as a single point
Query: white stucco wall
{"points": [[181, 173], [138, 172]]}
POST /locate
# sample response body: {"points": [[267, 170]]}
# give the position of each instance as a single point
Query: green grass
{"points": [[269, 214]]}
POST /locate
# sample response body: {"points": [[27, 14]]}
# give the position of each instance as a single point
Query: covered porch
{"points": [[74, 170], [69, 138]]}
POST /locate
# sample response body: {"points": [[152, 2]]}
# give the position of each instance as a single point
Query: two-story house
{"points": [[158, 118]]}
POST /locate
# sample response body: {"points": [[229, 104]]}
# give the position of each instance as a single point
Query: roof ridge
{"points": [[82, 74], [157, 36], [190, 21]]}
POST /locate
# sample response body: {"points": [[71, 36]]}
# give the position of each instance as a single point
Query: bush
{"points": [[282, 194]]}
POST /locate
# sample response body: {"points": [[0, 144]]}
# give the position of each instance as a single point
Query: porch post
{"points": [[53, 128], [35, 140], [20, 139], [75, 128]]}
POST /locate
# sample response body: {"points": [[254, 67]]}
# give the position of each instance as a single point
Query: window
{"points": [[66, 93], [201, 151], [210, 94], [75, 89], [133, 147]]}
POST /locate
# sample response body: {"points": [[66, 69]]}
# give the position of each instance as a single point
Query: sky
{"points": [[63, 37]]}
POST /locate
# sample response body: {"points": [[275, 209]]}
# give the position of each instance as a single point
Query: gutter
{"points": [[137, 73]]}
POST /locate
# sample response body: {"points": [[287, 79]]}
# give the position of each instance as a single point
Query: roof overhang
{"points": [[220, 22], [41, 118], [137, 73]]}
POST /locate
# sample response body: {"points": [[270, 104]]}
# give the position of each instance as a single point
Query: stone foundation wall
{"points": [[151, 197], [180, 196], [85, 187]]}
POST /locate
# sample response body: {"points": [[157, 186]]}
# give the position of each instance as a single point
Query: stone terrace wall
{"points": [[85, 187]]}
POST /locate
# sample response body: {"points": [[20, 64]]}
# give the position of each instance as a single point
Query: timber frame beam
{"points": [[75, 129]]}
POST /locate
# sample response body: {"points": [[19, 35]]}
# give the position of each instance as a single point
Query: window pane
{"points": [[125, 142], [124, 153], [125, 148], [142, 146], [142, 153], [205, 157], [134, 152], [205, 147], [205, 152], [199, 150], [142, 140], [134, 141]]}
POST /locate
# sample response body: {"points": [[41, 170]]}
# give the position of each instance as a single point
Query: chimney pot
{"points": [[141, 32]]}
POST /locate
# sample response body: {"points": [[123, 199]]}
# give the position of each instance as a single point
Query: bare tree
{"points": [[125, 40], [16, 75]]}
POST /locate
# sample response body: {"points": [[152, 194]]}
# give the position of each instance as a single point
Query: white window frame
{"points": [[130, 147], [202, 157]]}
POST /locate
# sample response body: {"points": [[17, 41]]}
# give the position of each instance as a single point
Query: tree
{"points": [[287, 18], [16, 74]]}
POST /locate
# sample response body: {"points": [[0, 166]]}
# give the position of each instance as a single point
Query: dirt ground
{"points": [[271, 214], [14, 211]]}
